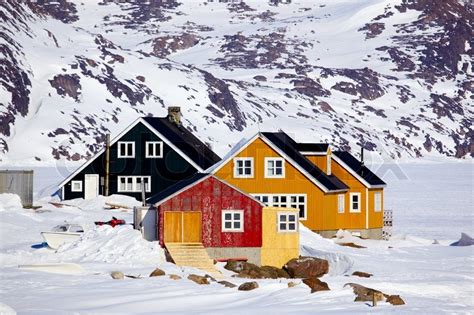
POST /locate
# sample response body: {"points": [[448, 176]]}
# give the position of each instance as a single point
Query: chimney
{"points": [[362, 160], [174, 115], [328, 163]]}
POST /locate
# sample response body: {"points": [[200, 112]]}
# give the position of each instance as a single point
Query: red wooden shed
{"points": [[205, 209]]}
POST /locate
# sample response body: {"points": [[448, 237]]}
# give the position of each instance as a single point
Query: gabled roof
{"points": [[313, 148], [287, 149], [182, 185], [290, 148], [355, 167], [178, 138], [185, 141]]}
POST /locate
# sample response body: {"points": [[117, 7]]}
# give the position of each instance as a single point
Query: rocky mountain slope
{"points": [[395, 77]]}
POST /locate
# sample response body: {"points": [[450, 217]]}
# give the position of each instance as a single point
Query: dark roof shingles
{"points": [[357, 167], [290, 148], [185, 141], [312, 147], [175, 188]]}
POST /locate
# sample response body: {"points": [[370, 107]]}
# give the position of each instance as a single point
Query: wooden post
{"points": [[143, 193], [107, 163]]}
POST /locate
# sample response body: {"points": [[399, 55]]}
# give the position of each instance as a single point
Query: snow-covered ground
{"points": [[434, 201]]}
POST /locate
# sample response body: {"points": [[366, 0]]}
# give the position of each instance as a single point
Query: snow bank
{"points": [[10, 202], [100, 202], [120, 245], [6, 310], [314, 245]]}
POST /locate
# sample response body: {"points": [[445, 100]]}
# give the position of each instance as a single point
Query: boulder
{"points": [[210, 277], [238, 266], [248, 286], [175, 277], [465, 240], [364, 294], [117, 275], [227, 284], [198, 279], [316, 285], [362, 274], [292, 284], [306, 267], [395, 300], [157, 272]]}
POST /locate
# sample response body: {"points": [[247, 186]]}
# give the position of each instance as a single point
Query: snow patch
{"points": [[10, 202]]}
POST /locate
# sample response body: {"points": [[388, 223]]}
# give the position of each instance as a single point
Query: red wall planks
{"points": [[211, 196]]}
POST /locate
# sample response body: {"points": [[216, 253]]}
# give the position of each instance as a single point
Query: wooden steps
{"points": [[193, 255]]}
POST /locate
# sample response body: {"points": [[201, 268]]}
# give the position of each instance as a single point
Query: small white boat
{"points": [[64, 233]]}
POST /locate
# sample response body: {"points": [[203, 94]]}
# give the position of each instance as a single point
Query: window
{"points": [[340, 203], [285, 201], [377, 201], [243, 167], [274, 168], [153, 149], [134, 183], [126, 149], [232, 220], [76, 185], [355, 202], [287, 222]]}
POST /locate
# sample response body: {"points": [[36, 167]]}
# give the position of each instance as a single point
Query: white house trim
{"points": [[351, 209], [351, 171], [313, 153], [118, 137], [265, 165]]}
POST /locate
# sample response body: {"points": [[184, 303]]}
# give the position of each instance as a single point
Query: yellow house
{"points": [[283, 173]]}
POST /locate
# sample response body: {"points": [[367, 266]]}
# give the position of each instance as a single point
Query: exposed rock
{"points": [[325, 107], [210, 277], [174, 277], [364, 294], [395, 300], [118, 275], [198, 279], [350, 244], [307, 267], [227, 284], [362, 274], [157, 272], [316, 285], [372, 29], [165, 45], [252, 271], [248, 286], [465, 240], [292, 284], [260, 78], [67, 84]]}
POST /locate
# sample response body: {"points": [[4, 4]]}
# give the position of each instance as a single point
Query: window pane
{"points": [[282, 226], [130, 149], [283, 199], [292, 226], [248, 163], [237, 216], [275, 199], [301, 198], [279, 164], [282, 218], [293, 198], [228, 216], [278, 171], [248, 171], [228, 225], [237, 225], [265, 199], [292, 218]]}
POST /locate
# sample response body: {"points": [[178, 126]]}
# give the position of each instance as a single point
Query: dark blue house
{"points": [[153, 152]]}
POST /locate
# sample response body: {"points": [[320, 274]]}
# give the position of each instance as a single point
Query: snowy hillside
{"points": [[394, 76]]}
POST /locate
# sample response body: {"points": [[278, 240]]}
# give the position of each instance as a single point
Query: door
{"points": [[91, 186], [182, 226]]}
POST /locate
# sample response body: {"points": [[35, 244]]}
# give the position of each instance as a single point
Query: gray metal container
{"points": [[18, 182]]}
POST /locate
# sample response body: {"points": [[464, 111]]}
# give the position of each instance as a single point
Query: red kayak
{"points": [[112, 222]]}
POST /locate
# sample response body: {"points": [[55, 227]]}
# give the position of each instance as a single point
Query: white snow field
{"points": [[434, 202]]}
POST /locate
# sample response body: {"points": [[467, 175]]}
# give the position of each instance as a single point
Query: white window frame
{"points": [[287, 222], [358, 202], [134, 182], [341, 203], [125, 155], [232, 212], [377, 201], [244, 159], [274, 159], [154, 143], [285, 204], [76, 182]]}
